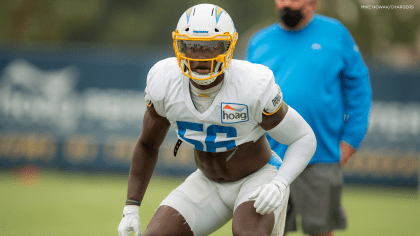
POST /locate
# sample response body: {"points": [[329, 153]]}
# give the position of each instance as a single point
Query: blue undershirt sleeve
{"points": [[357, 92]]}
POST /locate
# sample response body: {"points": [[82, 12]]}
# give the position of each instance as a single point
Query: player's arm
{"points": [[285, 126], [145, 155], [143, 162]]}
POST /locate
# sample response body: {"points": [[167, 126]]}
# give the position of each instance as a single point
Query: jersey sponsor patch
{"points": [[234, 113]]}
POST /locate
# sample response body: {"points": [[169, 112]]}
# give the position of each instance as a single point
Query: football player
{"points": [[222, 108]]}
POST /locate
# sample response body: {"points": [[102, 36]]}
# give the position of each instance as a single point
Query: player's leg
{"points": [[291, 213], [193, 208], [246, 221], [281, 220], [168, 221]]}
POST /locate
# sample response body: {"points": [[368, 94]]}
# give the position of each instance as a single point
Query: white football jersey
{"points": [[231, 120]]}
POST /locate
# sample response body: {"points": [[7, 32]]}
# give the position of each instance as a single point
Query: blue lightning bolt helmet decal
{"points": [[219, 11]]}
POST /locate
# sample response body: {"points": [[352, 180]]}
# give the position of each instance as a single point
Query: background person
{"points": [[323, 76]]}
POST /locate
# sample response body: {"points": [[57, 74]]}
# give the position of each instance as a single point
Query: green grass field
{"points": [[86, 204]]}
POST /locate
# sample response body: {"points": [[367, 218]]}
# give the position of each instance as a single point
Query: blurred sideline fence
{"points": [[81, 108]]}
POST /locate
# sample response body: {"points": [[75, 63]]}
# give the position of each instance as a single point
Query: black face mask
{"points": [[290, 18]]}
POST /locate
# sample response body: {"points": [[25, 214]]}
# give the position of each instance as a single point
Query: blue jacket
{"points": [[322, 75]]}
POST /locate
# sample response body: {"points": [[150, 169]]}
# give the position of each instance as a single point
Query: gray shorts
{"points": [[316, 196]]}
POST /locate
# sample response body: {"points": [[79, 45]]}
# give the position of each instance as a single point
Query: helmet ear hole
{"points": [[216, 30], [187, 29]]}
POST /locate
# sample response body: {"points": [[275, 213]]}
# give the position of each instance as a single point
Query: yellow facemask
{"points": [[222, 61]]}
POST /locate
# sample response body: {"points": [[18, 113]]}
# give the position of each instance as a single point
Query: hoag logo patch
{"points": [[234, 113]]}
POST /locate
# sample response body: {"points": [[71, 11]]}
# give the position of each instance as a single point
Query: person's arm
{"points": [[143, 162], [357, 97], [288, 127], [346, 151], [145, 155]]}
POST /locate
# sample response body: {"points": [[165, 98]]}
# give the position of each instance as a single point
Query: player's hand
{"points": [[130, 221], [269, 197]]}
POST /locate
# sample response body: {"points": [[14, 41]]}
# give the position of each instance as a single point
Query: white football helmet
{"points": [[205, 27]]}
